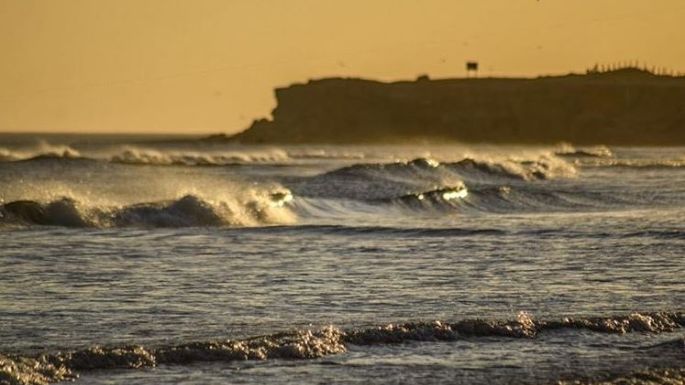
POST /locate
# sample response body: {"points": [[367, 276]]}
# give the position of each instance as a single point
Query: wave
{"points": [[49, 368], [370, 231], [409, 168], [325, 154], [438, 192], [309, 344], [187, 211], [42, 151], [638, 163], [452, 200], [7, 155], [523, 198], [374, 231], [543, 167], [278, 206], [139, 156], [432, 198], [378, 181], [568, 150]]}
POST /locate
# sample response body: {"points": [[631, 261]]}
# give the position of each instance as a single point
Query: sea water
{"points": [[147, 260]]}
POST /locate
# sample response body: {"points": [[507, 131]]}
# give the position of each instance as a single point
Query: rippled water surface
{"points": [[159, 244]]}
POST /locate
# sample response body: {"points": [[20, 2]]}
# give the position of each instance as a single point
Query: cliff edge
{"points": [[623, 107]]}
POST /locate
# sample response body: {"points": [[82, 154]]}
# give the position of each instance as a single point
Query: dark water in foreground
{"points": [[119, 243]]}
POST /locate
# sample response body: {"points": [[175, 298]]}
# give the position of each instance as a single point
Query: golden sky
{"points": [[205, 66]]}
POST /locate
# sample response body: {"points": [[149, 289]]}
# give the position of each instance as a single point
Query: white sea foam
{"points": [[148, 156], [41, 150], [568, 150], [253, 209]]}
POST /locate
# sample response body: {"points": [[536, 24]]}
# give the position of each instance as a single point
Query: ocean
{"points": [[155, 260]]}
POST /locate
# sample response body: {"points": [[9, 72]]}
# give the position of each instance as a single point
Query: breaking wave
{"points": [[638, 163], [456, 199], [544, 167], [138, 156], [421, 186], [437, 198], [325, 154], [147, 156], [424, 185], [309, 344], [42, 151], [568, 150], [187, 211], [279, 206], [378, 181]]}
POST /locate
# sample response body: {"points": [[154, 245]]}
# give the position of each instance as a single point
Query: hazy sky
{"points": [[201, 66]]}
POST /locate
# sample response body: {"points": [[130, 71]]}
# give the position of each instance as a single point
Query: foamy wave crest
{"points": [[7, 155], [49, 368], [187, 211], [639, 163], [544, 167], [497, 199], [43, 150], [132, 155], [512, 197], [568, 150], [525, 326], [378, 181], [441, 198], [325, 154], [309, 344]]}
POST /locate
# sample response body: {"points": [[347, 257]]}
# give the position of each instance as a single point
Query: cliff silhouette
{"points": [[622, 107]]}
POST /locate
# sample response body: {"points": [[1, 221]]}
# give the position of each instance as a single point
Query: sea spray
{"points": [[149, 156], [255, 208]]}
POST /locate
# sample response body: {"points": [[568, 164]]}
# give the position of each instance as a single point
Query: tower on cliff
{"points": [[471, 69]]}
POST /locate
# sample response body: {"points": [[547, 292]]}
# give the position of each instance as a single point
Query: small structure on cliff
{"points": [[472, 68]]}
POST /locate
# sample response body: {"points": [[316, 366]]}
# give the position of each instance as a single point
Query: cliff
{"points": [[630, 107]]}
